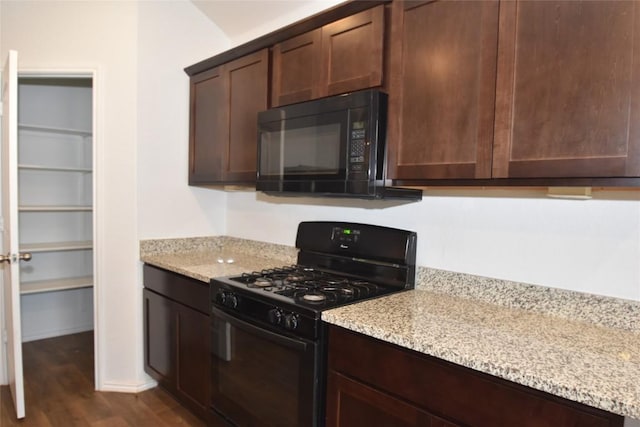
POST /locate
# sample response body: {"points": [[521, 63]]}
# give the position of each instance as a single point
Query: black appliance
{"points": [[268, 340], [333, 146]]}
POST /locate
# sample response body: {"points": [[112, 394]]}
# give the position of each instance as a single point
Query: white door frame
{"points": [[97, 149]]}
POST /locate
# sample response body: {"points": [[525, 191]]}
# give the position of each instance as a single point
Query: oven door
{"points": [[263, 378]]}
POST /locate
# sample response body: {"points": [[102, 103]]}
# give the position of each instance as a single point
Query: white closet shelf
{"points": [[51, 129], [53, 168], [56, 246], [56, 285], [56, 208]]}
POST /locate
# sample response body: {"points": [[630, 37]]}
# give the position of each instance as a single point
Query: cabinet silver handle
{"points": [[24, 256], [5, 258]]}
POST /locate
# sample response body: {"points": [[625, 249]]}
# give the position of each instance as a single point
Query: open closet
{"points": [[55, 197]]}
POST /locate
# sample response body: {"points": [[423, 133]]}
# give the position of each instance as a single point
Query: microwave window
{"points": [[313, 150]]}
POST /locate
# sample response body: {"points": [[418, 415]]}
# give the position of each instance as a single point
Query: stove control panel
{"points": [[345, 236], [264, 312]]}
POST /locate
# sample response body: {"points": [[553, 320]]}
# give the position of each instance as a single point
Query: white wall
{"points": [[292, 12], [590, 246], [172, 35]]}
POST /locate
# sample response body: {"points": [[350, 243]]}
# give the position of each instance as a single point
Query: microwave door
{"points": [[304, 149]]}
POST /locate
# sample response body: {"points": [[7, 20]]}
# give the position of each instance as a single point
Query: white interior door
{"points": [[10, 256]]}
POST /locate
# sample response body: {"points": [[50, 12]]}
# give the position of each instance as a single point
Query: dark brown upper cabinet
{"points": [[568, 96], [442, 89], [225, 102], [543, 90], [343, 56], [296, 69]]}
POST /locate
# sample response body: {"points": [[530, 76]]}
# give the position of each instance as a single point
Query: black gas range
{"points": [[267, 328]]}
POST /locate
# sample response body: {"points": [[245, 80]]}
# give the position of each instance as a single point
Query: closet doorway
{"points": [[53, 176]]}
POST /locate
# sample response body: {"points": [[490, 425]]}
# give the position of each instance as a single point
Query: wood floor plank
{"points": [[59, 392]]}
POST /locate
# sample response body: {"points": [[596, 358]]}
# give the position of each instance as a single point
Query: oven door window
{"points": [[305, 148], [261, 378]]}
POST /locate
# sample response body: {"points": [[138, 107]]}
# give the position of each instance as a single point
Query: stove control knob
{"points": [[291, 321], [275, 316], [221, 297], [228, 299], [231, 301]]}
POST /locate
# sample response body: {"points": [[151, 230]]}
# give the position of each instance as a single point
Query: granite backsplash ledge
{"points": [[577, 306]]}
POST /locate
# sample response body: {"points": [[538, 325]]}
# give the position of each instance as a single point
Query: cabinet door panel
{"points": [[352, 52], [160, 344], [296, 69], [568, 92], [248, 78], [194, 355], [209, 125], [350, 403], [443, 89]]}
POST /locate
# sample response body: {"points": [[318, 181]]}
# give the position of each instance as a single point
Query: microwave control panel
{"points": [[358, 149]]}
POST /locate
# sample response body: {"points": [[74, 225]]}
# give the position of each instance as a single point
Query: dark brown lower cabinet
{"points": [[374, 383], [176, 337]]}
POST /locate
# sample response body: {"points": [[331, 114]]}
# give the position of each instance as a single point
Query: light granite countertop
{"points": [[578, 346], [595, 365], [204, 258]]}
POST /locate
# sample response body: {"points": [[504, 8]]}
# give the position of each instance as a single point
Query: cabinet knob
{"points": [[24, 256], [5, 258]]}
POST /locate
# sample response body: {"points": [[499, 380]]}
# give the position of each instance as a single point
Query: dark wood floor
{"points": [[59, 391]]}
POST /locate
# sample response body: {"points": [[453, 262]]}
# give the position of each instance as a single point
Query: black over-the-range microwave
{"points": [[333, 146]]}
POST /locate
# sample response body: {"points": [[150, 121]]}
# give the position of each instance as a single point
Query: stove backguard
{"points": [[379, 254]]}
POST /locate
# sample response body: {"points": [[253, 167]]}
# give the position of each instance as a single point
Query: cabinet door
{"points": [[296, 69], [194, 357], [247, 81], [224, 120], [568, 89], [159, 341], [340, 57], [208, 127], [442, 89], [351, 403], [352, 52]]}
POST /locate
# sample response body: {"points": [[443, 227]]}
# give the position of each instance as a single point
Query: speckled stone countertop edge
{"points": [[502, 371], [204, 258], [217, 244], [528, 348]]}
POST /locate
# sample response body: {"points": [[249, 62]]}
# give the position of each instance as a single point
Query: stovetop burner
{"points": [[309, 286]]}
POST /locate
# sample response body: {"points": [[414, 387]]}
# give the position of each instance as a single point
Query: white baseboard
{"points": [[57, 333], [127, 388]]}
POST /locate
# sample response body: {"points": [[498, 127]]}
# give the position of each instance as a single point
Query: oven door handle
{"points": [[295, 344]]}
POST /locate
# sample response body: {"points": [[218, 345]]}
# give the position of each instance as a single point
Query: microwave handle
{"points": [[295, 344]]}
